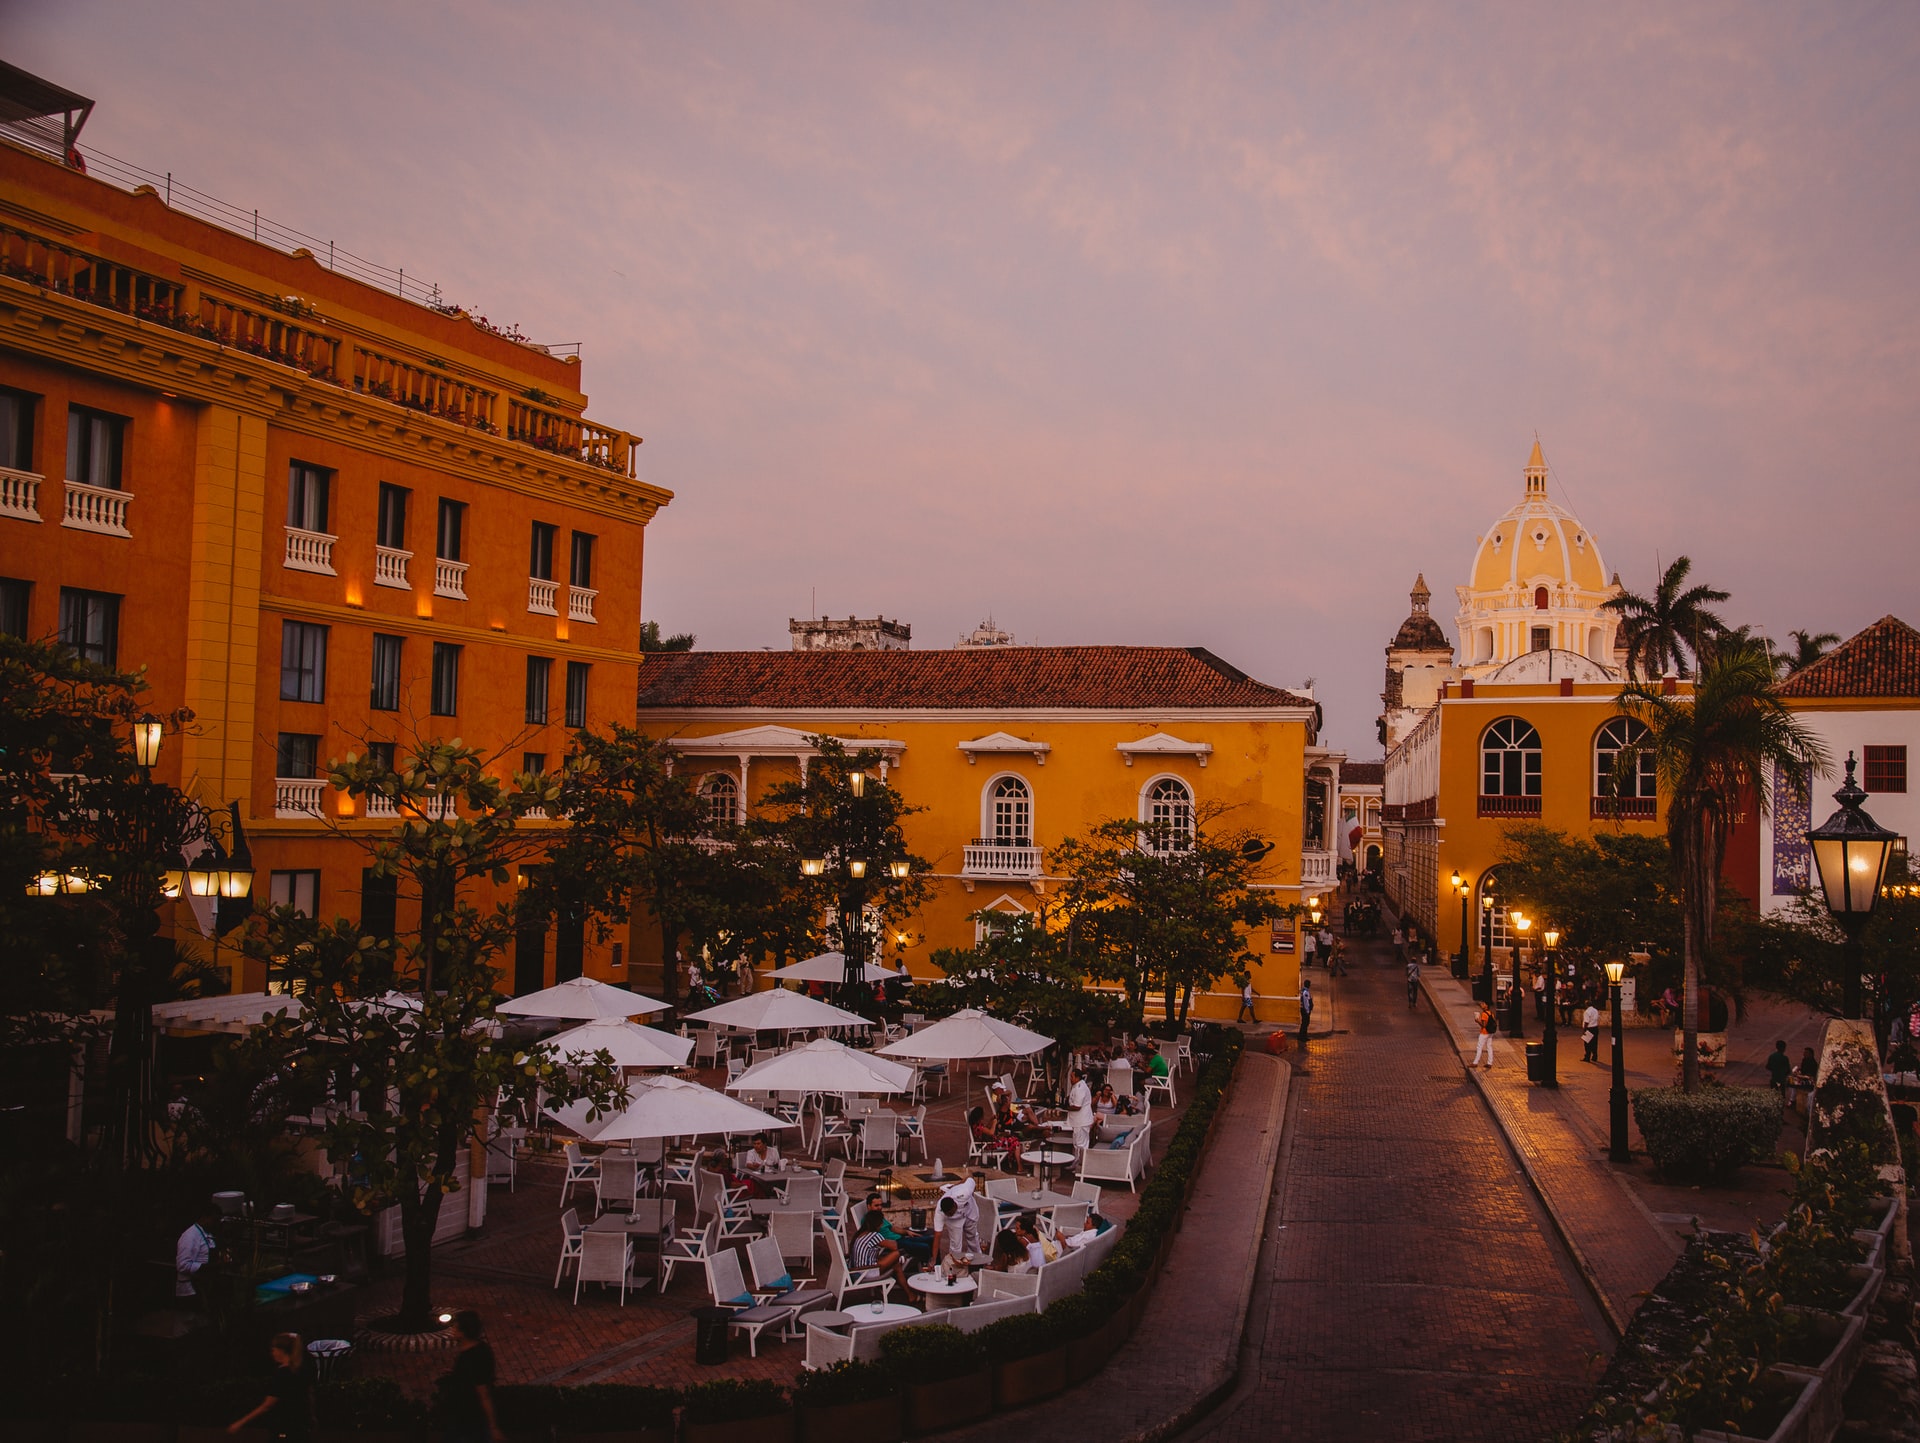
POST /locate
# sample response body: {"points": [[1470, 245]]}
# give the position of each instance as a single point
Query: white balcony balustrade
{"points": [[298, 796], [580, 601], [381, 807], [309, 551], [96, 508], [541, 596], [450, 579], [998, 859], [390, 567], [1316, 869], [19, 494]]}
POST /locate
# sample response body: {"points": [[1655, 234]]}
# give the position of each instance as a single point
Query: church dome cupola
{"points": [[1420, 632]]}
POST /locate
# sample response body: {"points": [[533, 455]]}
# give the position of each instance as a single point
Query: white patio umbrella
{"points": [[667, 1107], [778, 1011], [831, 967], [582, 999], [824, 1065], [628, 1043], [967, 1033]]}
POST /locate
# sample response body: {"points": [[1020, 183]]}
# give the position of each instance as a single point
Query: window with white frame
{"points": [[1510, 759], [720, 799], [995, 918], [1611, 740], [1167, 807], [1009, 813]]}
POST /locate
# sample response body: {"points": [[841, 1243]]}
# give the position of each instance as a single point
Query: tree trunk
{"points": [[1690, 1006], [419, 1216]]}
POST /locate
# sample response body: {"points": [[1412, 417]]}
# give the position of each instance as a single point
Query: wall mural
{"points": [[1792, 816]]}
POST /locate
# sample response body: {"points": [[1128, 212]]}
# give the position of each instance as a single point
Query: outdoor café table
{"points": [[761, 1206], [827, 1318], [880, 1312], [1044, 1159], [651, 1217], [937, 1287]]}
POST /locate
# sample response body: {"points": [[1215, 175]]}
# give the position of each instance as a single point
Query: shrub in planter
{"points": [[615, 1408], [850, 1382], [527, 1409], [852, 1402], [1704, 1136], [366, 1405], [731, 1400], [1077, 1315], [932, 1354], [1023, 1335]]}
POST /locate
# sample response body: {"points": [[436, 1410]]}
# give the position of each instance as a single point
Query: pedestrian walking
{"points": [[1779, 1069], [1483, 1050], [1413, 982], [1307, 945], [1540, 996], [466, 1393], [1590, 1033], [1306, 1008], [1246, 1000]]}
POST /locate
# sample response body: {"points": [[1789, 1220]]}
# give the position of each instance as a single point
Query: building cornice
{"points": [[159, 358], [857, 716], [445, 630]]}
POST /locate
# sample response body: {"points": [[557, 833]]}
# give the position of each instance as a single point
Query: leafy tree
{"points": [[1808, 647], [1660, 631], [1713, 752], [1608, 894], [652, 640], [1162, 909], [404, 1022]]}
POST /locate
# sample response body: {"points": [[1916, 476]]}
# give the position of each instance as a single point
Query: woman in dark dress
{"points": [[287, 1411]]}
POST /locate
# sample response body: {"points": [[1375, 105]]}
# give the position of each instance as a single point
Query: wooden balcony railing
{"points": [[1629, 809], [546, 429], [432, 389], [1408, 811], [1509, 806]]}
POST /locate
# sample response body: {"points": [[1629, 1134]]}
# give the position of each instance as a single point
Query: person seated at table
{"points": [[1009, 1254], [1103, 1103], [1041, 1249], [871, 1249], [988, 1133], [1095, 1226], [1157, 1065], [916, 1247], [759, 1159]]}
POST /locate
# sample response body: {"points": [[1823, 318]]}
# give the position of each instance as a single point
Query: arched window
{"points": [[1510, 759], [1168, 808], [1612, 739], [720, 799], [1009, 816], [1539, 598]]}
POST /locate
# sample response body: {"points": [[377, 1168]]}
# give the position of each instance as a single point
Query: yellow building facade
{"points": [[1010, 750]]}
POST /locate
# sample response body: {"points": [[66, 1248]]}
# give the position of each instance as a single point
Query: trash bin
{"points": [[1536, 1062], [710, 1335], [1480, 988], [1459, 964]]}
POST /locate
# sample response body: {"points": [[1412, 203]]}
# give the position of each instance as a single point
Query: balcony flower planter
{"points": [[1028, 1380], [872, 1420], [1800, 1424], [768, 1428], [1837, 1338], [933, 1407]]}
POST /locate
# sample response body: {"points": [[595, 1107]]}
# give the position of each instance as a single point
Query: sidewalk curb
{"points": [[1560, 1224], [1229, 1380]]}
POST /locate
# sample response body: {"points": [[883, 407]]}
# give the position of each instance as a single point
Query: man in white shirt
{"points": [[1590, 1033], [1080, 1110], [192, 1253], [1246, 1001], [959, 1234]]}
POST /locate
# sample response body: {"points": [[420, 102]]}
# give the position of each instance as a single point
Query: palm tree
{"points": [[1714, 753], [1809, 647], [1660, 631]]}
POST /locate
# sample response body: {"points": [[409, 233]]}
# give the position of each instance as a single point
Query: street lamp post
{"points": [[1461, 889], [1850, 850], [1516, 1018], [1486, 946], [1549, 1030], [1617, 1098]]}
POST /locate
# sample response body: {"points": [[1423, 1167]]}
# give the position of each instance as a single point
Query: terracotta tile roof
{"points": [[1883, 660], [1006, 677], [1363, 774]]}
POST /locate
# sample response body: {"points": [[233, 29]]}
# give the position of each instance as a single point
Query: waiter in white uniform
{"points": [[1080, 1110]]}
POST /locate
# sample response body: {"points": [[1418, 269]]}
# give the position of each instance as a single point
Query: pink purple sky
{"points": [[1195, 324]]}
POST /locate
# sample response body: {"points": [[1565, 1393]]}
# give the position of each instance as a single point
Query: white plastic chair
{"points": [[914, 1130], [694, 1245], [879, 1135], [806, 1191], [793, 1233], [579, 1171], [604, 1258], [842, 1280], [706, 1048], [619, 1181], [570, 1231], [729, 1289]]}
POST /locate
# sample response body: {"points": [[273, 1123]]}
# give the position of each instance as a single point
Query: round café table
{"points": [[880, 1313], [937, 1287], [1044, 1158]]}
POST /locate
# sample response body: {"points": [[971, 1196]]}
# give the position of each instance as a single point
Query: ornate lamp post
{"points": [[1516, 1018], [1461, 889], [1617, 1098], [1850, 851], [1549, 1031], [1486, 946]]}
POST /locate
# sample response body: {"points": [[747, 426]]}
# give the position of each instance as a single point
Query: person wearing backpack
{"points": [[1484, 1048]]}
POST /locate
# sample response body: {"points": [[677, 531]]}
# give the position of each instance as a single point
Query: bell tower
{"points": [[1419, 659]]}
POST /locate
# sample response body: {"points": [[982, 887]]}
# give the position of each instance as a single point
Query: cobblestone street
{"points": [[1410, 1285]]}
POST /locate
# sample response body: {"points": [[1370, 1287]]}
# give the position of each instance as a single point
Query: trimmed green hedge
{"points": [[932, 1353], [727, 1400], [850, 1382], [1707, 1135]]}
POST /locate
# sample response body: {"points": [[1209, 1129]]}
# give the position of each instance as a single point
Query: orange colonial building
{"points": [[320, 516]]}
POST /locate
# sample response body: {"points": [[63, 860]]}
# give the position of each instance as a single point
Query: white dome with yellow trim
{"points": [[1538, 582]]}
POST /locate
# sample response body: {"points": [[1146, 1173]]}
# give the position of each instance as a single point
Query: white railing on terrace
{"points": [[580, 603], [1316, 868], [390, 567], [309, 551], [19, 494], [450, 578], [540, 596], [712, 845], [995, 859], [96, 508], [381, 807], [298, 796]]}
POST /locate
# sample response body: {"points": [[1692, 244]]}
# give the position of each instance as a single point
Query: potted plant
{"points": [[1081, 1322], [851, 1402], [945, 1373], [614, 1413], [737, 1410], [1029, 1359]]}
